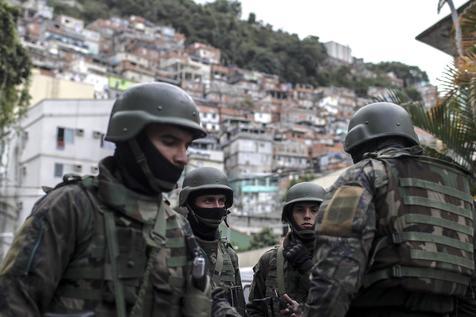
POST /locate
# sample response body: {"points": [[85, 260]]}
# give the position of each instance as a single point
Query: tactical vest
{"points": [[424, 241], [114, 266], [282, 278], [224, 269]]}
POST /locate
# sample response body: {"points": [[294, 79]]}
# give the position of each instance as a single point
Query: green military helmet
{"points": [[202, 179], [305, 191], [376, 120], [148, 103]]}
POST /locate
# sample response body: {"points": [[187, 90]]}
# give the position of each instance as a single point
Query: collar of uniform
{"points": [[210, 247], [207, 242], [397, 151], [114, 194]]}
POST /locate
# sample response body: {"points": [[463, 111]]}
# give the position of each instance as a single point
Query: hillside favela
{"points": [[263, 131], [272, 120]]}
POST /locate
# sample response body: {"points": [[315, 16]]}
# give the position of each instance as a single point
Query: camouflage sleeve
{"points": [[345, 229], [257, 307], [41, 251], [220, 305]]}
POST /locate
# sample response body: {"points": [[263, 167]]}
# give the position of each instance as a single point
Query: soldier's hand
{"points": [[293, 309], [299, 256], [219, 294]]}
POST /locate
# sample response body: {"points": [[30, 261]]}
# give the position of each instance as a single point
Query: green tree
{"points": [[249, 43], [264, 238], [15, 68], [453, 119], [410, 75]]}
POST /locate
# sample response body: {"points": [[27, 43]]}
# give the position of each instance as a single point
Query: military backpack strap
{"points": [[112, 247], [113, 250], [280, 270], [218, 265], [158, 232]]}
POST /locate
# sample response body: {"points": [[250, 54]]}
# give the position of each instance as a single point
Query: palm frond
{"points": [[451, 121]]}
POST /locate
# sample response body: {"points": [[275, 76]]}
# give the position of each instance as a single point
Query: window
{"points": [[60, 138], [59, 170], [64, 136]]}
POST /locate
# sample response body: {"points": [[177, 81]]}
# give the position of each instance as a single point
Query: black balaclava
{"points": [[164, 174], [205, 221]]}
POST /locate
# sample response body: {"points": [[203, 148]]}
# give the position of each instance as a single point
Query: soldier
{"points": [[110, 245], [396, 235], [282, 273], [207, 196]]}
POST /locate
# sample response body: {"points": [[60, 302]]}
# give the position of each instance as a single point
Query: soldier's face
{"points": [[210, 201], [304, 214], [171, 141]]}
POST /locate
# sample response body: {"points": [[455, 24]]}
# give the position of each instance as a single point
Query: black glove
{"points": [[298, 256]]}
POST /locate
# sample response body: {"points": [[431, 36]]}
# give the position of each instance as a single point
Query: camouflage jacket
{"points": [[361, 228], [264, 293], [60, 260]]}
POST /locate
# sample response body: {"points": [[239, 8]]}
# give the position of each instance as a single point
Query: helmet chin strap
{"points": [[156, 184]]}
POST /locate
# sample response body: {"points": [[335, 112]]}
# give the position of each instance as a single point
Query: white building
{"points": [[57, 137], [339, 51], [209, 118], [429, 94], [248, 151], [205, 152], [290, 155], [262, 117], [248, 154]]}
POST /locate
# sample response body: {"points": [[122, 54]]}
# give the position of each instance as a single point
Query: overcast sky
{"points": [[375, 30]]}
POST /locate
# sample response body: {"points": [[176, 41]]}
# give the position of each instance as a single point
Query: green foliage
{"points": [[264, 238], [15, 68], [250, 43], [453, 119], [410, 75]]}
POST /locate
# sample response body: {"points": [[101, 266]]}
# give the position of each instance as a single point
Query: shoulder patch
{"points": [[340, 211]]}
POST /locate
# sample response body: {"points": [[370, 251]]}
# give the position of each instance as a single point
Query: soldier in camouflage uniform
{"points": [[206, 197], [396, 234], [285, 269], [110, 245]]}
